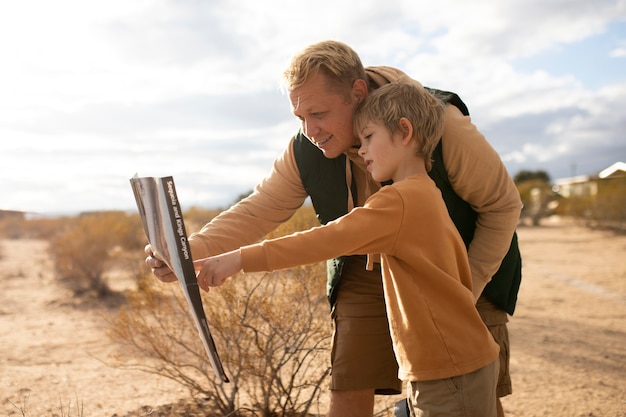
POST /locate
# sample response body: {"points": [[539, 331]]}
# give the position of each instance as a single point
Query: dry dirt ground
{"points": [[568, 335]]}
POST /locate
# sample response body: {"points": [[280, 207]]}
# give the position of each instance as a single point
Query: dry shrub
{"points": [[303, 219], [196, 217], [271, 331], [87, 246], [536, 196], [30, 227]]}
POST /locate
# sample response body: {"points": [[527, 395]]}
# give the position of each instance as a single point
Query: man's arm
{"points": [[343, 236], [479, 177]]}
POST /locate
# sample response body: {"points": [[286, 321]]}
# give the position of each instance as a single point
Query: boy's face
{"points": [[382, 152], [326, 115]]}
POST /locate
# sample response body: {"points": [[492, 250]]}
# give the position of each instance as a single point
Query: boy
{"points": [[439, 339]]}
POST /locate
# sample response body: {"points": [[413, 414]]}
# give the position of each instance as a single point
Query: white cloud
{"points": [[94, 91], [620, 50]]}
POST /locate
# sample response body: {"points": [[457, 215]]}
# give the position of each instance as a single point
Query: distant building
{"points": [[579, 186], [617, 170], [599, 198], [587, 185]]}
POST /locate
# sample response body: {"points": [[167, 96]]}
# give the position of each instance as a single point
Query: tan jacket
{"points": [[475, 171], [436, 330]]}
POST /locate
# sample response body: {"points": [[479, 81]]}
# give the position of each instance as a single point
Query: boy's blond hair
{"points": [[391, 102], [340, 63]]}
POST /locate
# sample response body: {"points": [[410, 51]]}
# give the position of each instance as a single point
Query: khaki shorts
{"points": [[362, 354], [472, 394], [496, 320]]}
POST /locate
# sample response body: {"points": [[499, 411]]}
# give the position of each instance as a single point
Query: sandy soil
{"points": [[568, 335]]}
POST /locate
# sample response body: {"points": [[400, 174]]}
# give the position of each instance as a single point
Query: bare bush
{"points": [[271, 331], [87, 245], [33, 228], [76, 409]]}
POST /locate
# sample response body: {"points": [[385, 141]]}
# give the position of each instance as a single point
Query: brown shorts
{"points": [[362, 354], [496, 320], [469, 394]]}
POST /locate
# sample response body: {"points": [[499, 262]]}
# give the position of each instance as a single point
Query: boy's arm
{"points": [[213, 271], [347, 235], [344, 236]]}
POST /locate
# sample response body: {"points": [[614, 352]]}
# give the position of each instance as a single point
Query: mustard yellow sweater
{"points": [[435, 327]]}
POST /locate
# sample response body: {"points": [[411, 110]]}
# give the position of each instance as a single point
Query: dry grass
{"points": [[568, 337]]}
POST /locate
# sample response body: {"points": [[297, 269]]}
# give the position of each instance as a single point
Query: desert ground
{"points": [[568, 335]]}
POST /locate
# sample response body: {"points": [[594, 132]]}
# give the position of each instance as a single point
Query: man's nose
{"points": [[311, 129]]}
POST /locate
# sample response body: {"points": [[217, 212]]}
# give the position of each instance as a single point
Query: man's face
{"points": [[326, 115]]}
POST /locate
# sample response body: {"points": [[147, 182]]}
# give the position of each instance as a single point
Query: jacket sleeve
{"points": [[383, 213], [274, 200], [479, 177]]}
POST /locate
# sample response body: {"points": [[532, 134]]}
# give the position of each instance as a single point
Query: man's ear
{"points": [[359, 89], [406, 127]]}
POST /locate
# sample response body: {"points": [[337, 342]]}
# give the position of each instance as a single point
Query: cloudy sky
{"points": [[92, 92]]}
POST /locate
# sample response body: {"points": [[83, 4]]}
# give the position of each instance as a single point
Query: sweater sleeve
{"points": [[346, 235], [479, 177], [274, 200]]}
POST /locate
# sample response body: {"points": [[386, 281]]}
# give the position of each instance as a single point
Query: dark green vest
{"points": [[325, 182]]}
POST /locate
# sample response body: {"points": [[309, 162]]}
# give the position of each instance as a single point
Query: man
{"points": [[437, 333], [325, 82]]}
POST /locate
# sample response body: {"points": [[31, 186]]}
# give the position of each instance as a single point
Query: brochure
{"points": [[163, 224]]}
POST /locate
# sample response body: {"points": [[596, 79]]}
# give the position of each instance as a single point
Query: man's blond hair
{"points": [[391, 102], [337, 61]]}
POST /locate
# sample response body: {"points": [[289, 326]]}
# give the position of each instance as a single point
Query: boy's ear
{"points": [[359, 89], [406, 127]]}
